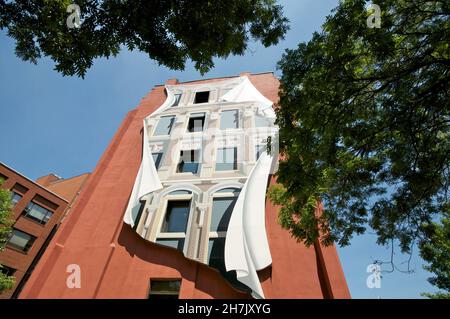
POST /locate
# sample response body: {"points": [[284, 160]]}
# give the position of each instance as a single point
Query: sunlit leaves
{"points": [[364, 122]]}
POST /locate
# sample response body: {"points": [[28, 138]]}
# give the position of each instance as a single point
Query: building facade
{"points": [[38, 209], [176, 206]]}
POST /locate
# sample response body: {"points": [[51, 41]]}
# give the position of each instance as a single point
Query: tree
{"points": [[6, 282], [169, 31], [364, 125], [435, 249]]}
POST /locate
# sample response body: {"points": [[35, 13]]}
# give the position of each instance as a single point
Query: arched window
{"points": [[222, 204], [175, 217]]}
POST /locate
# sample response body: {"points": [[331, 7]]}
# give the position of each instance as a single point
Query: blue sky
{"points": [[51, 123]]}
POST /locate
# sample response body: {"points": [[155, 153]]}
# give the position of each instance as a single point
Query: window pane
{"points": [[196, 122], [164, 125], [261, 121], [38, 213], [188, 168], [201, 97], [157, 159], [15, 198], [164, 289], [189, 161], [229, 119], [177, 100], [21, 240], [216, 253], [221, 213], [177, 216], [174, 243], [165, 285], [226, 159]]}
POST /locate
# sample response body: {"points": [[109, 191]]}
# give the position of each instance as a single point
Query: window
{"points": [[189, 161], [223, 202], [177, 215], [229, 119], [261, 121], [19, 189], [201, 97], [226, 159], [157, 159], [37, 213], [216, 253], [15, 198], [164, 125], [196, 122], [259, 149], [177, 99], [7, 271], [20, 240], [164, 289], [221, 212], [175, 219], [216, 259]]}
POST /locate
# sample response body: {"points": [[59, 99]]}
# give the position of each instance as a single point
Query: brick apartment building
{"points": [[39, 207]]}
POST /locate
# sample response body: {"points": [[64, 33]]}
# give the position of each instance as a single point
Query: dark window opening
{"points": [[176, 218], [7, 271], [45, 202], [189, 161], [196, 122], [164, 289], [201, 97], [19, 189], [177, 100], [3, 178]]}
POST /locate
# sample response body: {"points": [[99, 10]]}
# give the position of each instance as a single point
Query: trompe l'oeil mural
{"points": [[203, 177]]}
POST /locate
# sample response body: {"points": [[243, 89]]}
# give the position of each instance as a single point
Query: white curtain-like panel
{"points": [[246, 92], [246, 246], [147, 181]]}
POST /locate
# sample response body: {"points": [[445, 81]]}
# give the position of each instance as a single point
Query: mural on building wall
{"points": [[202, 181]]}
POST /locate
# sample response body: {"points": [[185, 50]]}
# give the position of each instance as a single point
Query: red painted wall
{"points": [[116, 263]]}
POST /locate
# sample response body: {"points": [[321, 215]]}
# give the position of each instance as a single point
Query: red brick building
{"points": [[116, 253], [38, 209]]}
